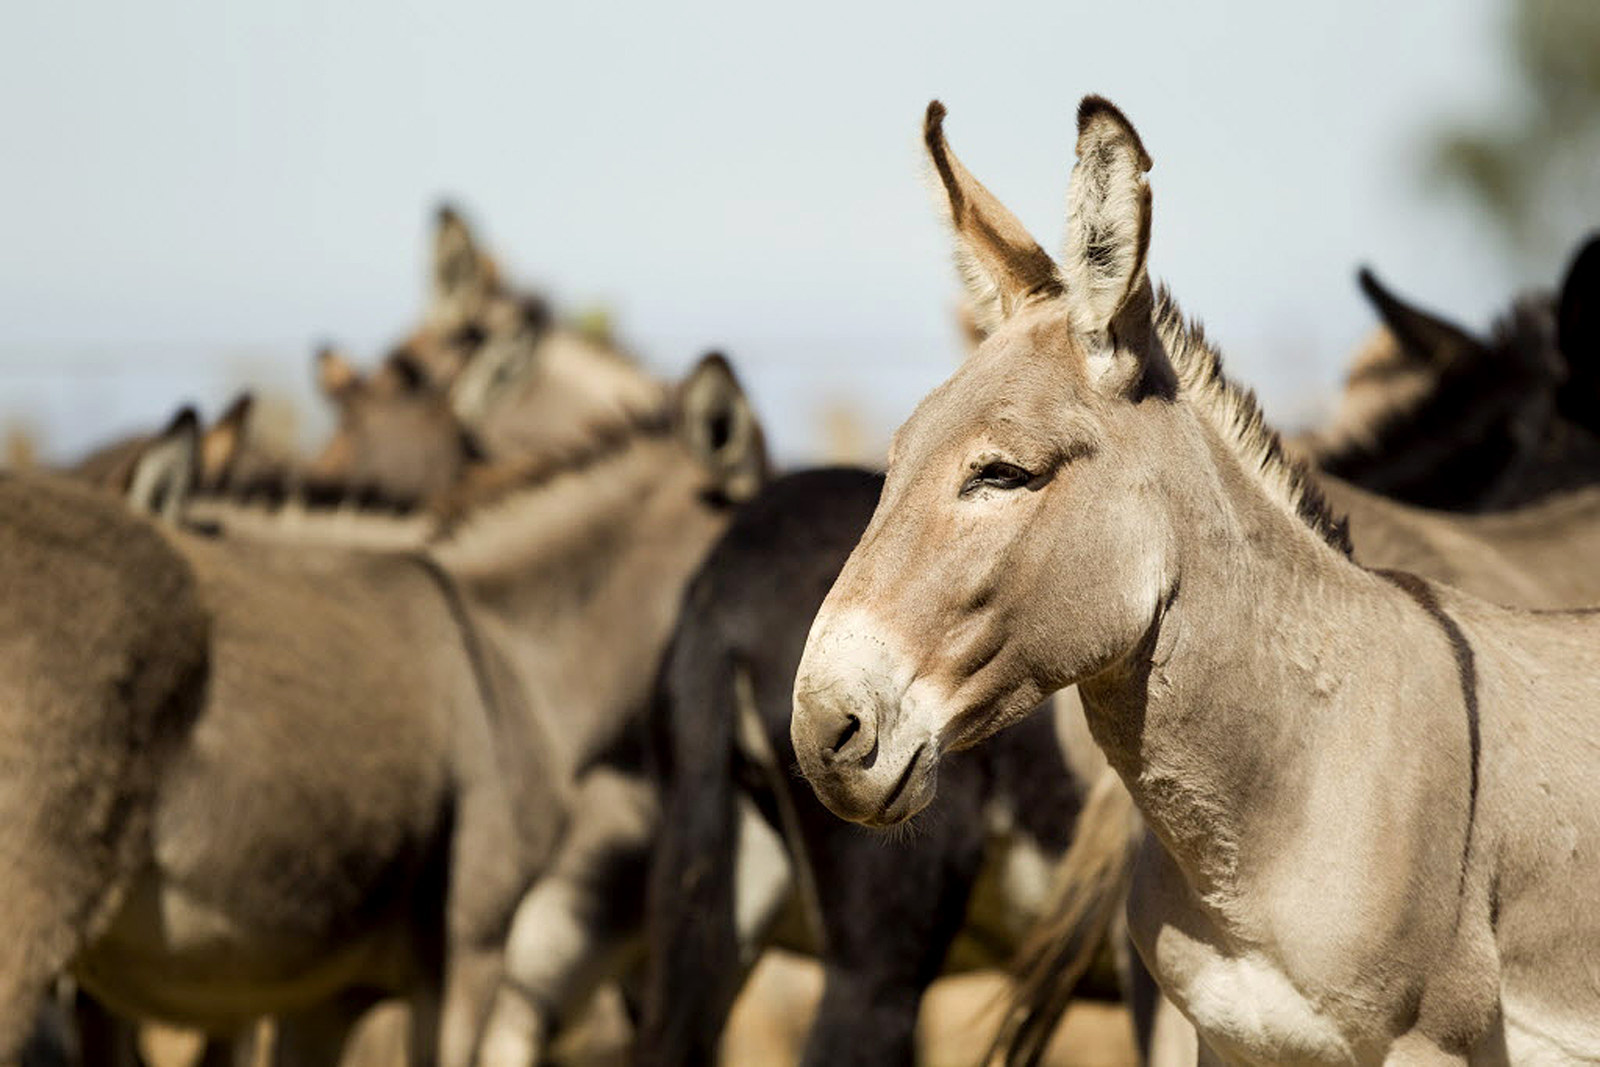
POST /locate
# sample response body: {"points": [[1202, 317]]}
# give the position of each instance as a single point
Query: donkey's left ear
{"points": [[1108, 217], [721, 430], [164, 474], [222, 444], [463, 275]]}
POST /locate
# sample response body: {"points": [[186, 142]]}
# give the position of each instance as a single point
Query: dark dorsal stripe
{"points": [[1467, 671]]}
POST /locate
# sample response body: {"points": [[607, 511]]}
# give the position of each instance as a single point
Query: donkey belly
{"points": [[173, 956], [278, 880]]}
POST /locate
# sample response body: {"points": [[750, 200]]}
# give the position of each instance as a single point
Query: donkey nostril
{"points": [[852, 727]]}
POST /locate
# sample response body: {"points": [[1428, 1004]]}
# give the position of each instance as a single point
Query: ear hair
{"points": [[221, 445], [1002, 265], [164, 474], [721, 430], [1108, 216]]}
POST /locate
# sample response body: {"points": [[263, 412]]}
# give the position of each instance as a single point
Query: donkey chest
{"points": [[1243, 1004]]}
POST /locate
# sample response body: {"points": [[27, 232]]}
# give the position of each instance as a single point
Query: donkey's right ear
{"points": [[337, 377], [1003, 266], [164, 474], [1424, 338], [223, 443], [721, 430], [463, 275]]}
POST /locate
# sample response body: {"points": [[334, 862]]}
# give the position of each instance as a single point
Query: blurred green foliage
{"points": [[1537, 174]]}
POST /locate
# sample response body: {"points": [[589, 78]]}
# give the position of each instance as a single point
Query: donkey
{"points": [[1434, 416], [98, 702], [347, 817], [1085, 506], [734, 656], [396, 437], [491, 347]]}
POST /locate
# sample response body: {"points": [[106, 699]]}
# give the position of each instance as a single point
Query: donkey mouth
{"points": [[891, 810]]}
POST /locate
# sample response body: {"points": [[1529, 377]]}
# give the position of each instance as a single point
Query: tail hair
{"points": [[1091, 884]]}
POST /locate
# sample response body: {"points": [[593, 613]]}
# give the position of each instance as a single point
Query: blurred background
{"points": [[195, 192]]}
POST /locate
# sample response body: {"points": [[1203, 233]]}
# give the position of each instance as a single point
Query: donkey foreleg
{"points": [[315, 1037], [579, 923]]}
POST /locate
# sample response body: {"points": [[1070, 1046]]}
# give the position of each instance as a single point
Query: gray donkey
{"points": [[379, 762]]}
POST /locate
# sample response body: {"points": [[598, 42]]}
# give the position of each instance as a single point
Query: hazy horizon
{"points": [[199, 191]]}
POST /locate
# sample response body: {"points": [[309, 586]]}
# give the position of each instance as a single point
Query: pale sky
{"points": [[195, 190]]}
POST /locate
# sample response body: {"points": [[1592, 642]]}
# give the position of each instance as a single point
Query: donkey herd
{"points": [[537, 680]]}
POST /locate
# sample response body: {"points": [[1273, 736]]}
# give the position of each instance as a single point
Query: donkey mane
{"points": [[486, 483], [493, 485], [1236, 414], [285, 487]]}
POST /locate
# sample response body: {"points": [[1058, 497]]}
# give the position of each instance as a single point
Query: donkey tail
{"points": [[1091, 883], [694, 968]]}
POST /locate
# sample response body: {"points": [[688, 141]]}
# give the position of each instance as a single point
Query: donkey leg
{"points": [[890, 910], [104, 1039], [577, 924], [317, 1036]]}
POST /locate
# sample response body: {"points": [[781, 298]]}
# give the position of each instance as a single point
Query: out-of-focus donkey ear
{"points": [[337, 377], [722, 431], [164, 475], [1578, 335], [463, 274], [224, 442], [1424, 338]]}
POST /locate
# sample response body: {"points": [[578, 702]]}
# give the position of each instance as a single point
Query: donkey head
{"points": [[1019, 496], [395, 435]]}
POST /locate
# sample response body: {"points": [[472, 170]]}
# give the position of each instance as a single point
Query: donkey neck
{"points": [[1251, 673], [575, 583]]}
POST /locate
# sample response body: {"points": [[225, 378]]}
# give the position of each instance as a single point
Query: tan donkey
{"points": [[1372, 797]]}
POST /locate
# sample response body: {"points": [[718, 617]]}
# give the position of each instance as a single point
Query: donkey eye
{"points": [[997, 475]]}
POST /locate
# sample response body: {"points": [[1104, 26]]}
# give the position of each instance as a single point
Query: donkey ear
{"points": [[222, 444], [164, 474], [336, 376], [1002, 265], [1108, 216], [722, 431], [462, 273], [507, 357], [1578, 335], [1424, 338]]}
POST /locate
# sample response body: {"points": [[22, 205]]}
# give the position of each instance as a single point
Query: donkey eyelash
{"points": [[997, 474]]}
